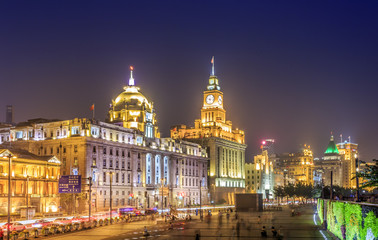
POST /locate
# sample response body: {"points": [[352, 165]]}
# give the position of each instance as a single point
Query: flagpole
{"points": [[93, 112]]}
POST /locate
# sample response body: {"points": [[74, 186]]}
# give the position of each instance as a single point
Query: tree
{"points": [[369, 176], [279, 192], [290, 191]]}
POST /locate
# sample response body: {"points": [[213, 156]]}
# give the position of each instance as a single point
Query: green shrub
{"points": [[370, 230], [353, 221]]}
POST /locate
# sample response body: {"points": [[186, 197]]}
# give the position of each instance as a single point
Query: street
{"points": [[298, 227]]}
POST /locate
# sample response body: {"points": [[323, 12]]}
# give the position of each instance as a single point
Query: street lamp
{"points": [[111, 202], [27, 197], [357, 182], [10, 156], [200, 200], [162, 194]]}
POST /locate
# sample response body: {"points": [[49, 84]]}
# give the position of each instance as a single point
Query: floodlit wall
{"points": [[349, 220]]}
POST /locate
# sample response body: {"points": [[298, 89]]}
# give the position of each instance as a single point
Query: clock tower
{"points": [[212, 108], [225, 145]]}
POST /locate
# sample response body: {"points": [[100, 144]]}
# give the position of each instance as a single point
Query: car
{"points": [[40, 223], [14, 226], [80, 219], [63, 220]]}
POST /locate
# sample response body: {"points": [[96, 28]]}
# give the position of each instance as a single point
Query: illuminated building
{"points": [[145, 168], [348, 152], [260, 176], [9, 117], [298, 166], [131, 109], [34, 181], [331, 163], [225, 145], [268, 145]]}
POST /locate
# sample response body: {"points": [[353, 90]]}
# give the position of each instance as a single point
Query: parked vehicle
{"points": [[63, 220], [14, 226], [40, 223]]}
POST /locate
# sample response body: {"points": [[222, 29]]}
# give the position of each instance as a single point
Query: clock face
{"points": [[220, 99], [209, 99]]}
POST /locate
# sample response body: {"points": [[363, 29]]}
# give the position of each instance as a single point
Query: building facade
{"points": [[331, 164], [298, 166], [34, 181], [349, 153], [126, 153], [225, 145], [260, 176]]}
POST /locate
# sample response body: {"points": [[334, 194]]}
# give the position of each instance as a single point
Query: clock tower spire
{"points": [[212, 110]]}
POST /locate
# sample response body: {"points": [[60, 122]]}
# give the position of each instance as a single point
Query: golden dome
{"points": [[132, 98]]}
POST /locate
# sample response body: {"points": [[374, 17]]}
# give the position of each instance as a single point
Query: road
{"points": [[298, 227]]}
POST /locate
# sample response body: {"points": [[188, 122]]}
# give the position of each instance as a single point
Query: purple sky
{"points": [[289, 70]]}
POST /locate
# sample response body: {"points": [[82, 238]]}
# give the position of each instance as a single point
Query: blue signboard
{"points": [[70, 184]]}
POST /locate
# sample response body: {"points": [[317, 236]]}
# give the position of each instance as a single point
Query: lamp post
{"points": [[27, 197], [162, 194], [201, 200], [357, 182], [111, 202], [10, 156]]}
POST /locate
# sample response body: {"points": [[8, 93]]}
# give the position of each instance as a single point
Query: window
{"points": [[111, 163], [123, 164], [94, 164], [123, 178], [104, 150], [128, 165], [123, 153], [128, 154], [57, 150], [75, 148], [76, 162], [117, 163], [104, 179], [117, 153], [117, 177], [94, 149], [111, 151], [75, 130], [138, 155], [104, 162], [64, 150], [51, 151]]}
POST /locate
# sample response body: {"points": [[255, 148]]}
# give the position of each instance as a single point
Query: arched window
{"points": [[157, 169], [148, 168], [166, 170]]}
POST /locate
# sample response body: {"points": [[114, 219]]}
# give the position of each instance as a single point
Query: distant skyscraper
{"points": [[9, 115], [268, 145], [348, 152]]}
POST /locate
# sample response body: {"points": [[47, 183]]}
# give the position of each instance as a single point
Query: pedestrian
{"points": [[198, 235], [274, 231], [233, 233], [238, 229], [258, 220], [263, 232], [145, 232]]}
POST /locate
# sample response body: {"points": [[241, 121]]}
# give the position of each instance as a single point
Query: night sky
{"points": [[290, 70]]}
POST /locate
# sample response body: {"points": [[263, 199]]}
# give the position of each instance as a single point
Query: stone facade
{"points": [[225, 145], [34, 181]]}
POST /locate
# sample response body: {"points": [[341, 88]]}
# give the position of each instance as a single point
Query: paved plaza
{"points": [[298, 227]]}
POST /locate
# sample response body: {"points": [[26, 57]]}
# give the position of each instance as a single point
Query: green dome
{"points": [[331, 149]]}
